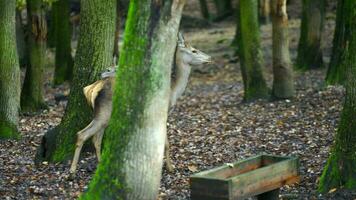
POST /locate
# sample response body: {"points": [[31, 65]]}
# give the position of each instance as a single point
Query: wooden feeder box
{"points": [[260, 176]]}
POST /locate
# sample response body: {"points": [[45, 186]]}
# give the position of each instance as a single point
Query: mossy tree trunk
{"points": [[223, 9], [340, 170], [250, 51], [283, 82], [32, 91], [336, 74], [204, 9], [9, 72], [95, 49], [62, 29], [134, 144], [310, 54], [265, 11]]}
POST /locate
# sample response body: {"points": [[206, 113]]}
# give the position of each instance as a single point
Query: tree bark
{"points": [[9, 72], [283, 81], [20, 40], [134, 144], [204, 9], [336, 74], [250, 51], [63, 58], [223, 9], [310, 54], [117, 34], [265, 11], [32, 91], [95, 49], [340, 170]]}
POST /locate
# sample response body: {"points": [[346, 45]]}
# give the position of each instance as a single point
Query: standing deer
{"points": [[99, 97]]}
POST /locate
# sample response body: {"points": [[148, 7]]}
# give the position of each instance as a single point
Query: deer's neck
{"points": [[180, 81]]}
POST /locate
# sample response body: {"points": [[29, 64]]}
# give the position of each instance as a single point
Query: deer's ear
{"points": [[181, 41]]}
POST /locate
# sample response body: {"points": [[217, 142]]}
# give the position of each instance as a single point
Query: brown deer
{"points": [[99, 97]]}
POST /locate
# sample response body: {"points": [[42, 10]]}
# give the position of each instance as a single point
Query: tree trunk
{"points": [[265, 11], [133, 153], [204, 9], [20, 40], [336, 74], [310, 54], [62, 29], [283, 82], [340, 170], [223, 9], [117, 34], [95, 49], [32, 91], [9, 72], [250, 51]]}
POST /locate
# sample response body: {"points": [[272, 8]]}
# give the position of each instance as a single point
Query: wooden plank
{"points": [[206, 188], [265, 179], [225, 171]]}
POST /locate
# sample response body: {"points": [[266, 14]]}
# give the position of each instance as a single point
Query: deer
{"points": [[99, 97]]}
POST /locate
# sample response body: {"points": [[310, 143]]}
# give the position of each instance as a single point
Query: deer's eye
{"points": [[195, 51]]}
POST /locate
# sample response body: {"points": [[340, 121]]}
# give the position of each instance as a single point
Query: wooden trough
{"points": [[260, 176]]}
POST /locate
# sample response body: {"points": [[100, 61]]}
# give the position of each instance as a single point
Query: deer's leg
{"points": [[168, 160], [97, 140], [83, 136]]}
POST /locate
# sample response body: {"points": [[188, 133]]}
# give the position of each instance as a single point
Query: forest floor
{"points": [[209, 127]]}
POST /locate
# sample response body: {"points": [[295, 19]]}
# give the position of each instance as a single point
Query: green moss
{"points": [[8, 131]]}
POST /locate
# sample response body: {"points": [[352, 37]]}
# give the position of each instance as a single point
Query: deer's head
{"points": [[189, 54], [110, 72]]}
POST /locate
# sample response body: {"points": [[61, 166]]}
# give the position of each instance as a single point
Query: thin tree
{"points": [[265, 11], [250, 51], [336, 74], [32, 91], [20, 40], [223, 9], [9, 72], [204, 9], [62, 37], [133, 152], [340, 170], [309, 49], [95, 50], [283, 82], [117, 33]]}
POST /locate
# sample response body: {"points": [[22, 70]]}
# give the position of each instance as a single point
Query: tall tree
{"points": [[309, 49], [265, 10], [32, 91], [336, 74], [204, 9], [223, 9], [9, 72], [95, 50], [133, 153], [283, 82], [340, 170], [62, 31], [250, 51], [20, 40], [117, 33]]}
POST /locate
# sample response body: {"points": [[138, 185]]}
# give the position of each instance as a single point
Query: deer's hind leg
{"points": [[97, 140], [93, 128]]}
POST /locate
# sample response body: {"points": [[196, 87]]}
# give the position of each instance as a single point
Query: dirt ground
{"points": [[209, 127]]}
